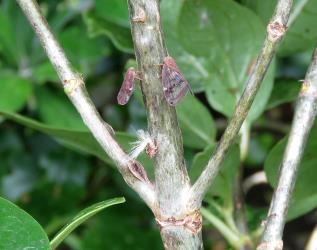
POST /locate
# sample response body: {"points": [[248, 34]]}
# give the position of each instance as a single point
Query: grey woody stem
{"points": [[275, 31], [305, 113], [171, 179], [132, 171]]}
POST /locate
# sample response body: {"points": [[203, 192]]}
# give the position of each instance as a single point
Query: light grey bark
{"points": [[171, 178], [305, 113]]}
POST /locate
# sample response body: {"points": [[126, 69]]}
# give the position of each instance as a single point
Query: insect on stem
{"points": [[127, 86], [175, 86]]}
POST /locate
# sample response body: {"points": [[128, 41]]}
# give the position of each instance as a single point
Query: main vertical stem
{"points": [[171, 178]]}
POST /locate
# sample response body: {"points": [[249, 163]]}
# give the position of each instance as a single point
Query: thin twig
{"points": [[231, 236], [275, 31], [132, 171], [253, 180], [305, 113]]}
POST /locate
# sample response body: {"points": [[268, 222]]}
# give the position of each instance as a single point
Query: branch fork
{"points": [[171, 196], [275, 32]]}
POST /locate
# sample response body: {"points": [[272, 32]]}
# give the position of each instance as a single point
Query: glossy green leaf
{"points": [[284, 91], [304, 197], [302, 32], [14, 91], [213, 52], [81, 218], [119, 36], [19, 230], [198, 127], [222, 186]]}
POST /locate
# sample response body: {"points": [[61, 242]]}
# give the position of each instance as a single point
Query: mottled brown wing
{"points": [[174, 84], [127, 87]]}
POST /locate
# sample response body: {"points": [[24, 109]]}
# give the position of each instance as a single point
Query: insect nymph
{"points": [[127, 87], [175, 86]]}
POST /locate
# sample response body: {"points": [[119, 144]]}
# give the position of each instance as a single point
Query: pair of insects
{"points": [[174, 84]]}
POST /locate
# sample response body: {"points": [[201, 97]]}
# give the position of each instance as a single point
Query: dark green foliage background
{"points": [[52, 167]]}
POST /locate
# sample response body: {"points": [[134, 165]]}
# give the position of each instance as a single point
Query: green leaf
{"points": [[213, 52], [19, 230], [222, 186], [56, 110], [192, 68], [81, 141], [84, 52], [304, 197], [81, 218], [302, 31], [7, 37], [15, 33], [15, 91], [284, 91], [17, 36], [118, 14], [44, 72], [119, 36], [198, 127]]}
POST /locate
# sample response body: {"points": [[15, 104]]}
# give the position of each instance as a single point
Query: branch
{"points": [[305, 112], [275, 31], [171, 177], [132, 171], [170, 171]]}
